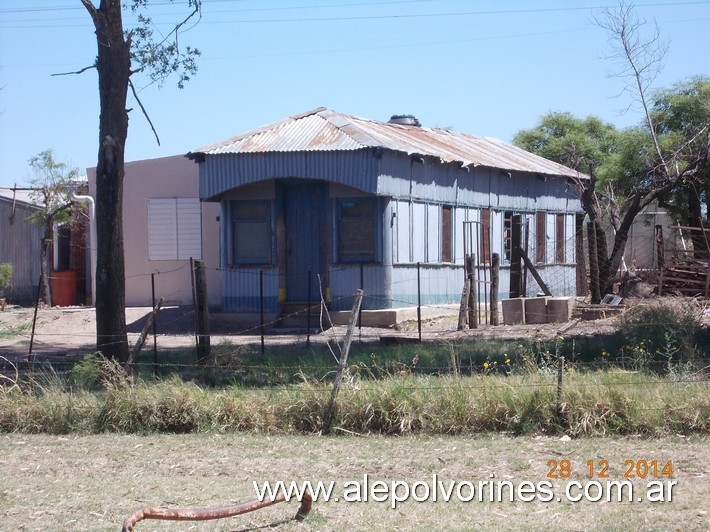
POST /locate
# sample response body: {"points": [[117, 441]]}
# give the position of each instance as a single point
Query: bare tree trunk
{"points": [[114, 70]]}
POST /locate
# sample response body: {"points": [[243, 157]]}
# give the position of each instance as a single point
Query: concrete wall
{"points": [[167, 177]]}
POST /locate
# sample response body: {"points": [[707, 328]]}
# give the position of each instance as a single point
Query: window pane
{"points": [[446, 237], [356, 230], [251, 232]]}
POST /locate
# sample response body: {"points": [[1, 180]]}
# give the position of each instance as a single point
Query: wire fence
{"points": [[431, 311]]}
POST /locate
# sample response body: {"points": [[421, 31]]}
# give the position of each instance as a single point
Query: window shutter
{"points": [[162, 229], [189, 229]]}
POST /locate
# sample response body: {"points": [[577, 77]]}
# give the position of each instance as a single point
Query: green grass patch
{"points": [[592, 403]]}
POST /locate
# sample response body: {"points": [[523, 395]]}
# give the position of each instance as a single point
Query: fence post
{"points": [[362, 287], [261, 308], [342, 364], [660, 257], [495, 273], [463, 306], [560, 371], [194, 305], [472, 293], [34, 319], [155, 326], [581, 269], [203, 315], [594, 287], [419, 299], [308, 309], [515, 255]]}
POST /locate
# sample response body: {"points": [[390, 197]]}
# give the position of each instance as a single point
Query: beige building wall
{"points": [[163, 178]]}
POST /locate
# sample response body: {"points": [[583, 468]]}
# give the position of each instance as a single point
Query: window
{"points": [[446, 230], [507, 235], [485, 236], [560, 238], [356, 230], [251, 232], [540, 236], [174, 229]]}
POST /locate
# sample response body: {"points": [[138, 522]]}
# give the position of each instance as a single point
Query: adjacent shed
{"points": [[321, 203], [19, 244]]}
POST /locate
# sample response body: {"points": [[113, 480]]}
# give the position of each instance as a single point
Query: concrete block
{"points": [[536, 310], [559, 309], [513, 313]]}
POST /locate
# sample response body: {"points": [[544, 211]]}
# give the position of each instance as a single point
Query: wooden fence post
{"points": [[342, 363], [594, 287], [203, 316], [133, 355], [472, 293], [495, 273], [515, 255], [660, 257], [581, 269]]}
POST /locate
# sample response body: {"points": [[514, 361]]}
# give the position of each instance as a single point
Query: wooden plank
{"points": [[535, 274]]}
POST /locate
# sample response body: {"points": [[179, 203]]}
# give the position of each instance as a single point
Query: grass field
{"points": [[93, 482]]}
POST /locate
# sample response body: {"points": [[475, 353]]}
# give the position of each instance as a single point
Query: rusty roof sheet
{"points": [[325, 130]]}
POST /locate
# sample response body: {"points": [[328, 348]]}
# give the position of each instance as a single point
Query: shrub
{"points": [[5, 279], [657, 336]]}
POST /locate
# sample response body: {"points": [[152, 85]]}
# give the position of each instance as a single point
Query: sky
{"points": [[488, 68]]}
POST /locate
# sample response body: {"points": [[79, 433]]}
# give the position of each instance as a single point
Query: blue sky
{"points": [[482, 67]]}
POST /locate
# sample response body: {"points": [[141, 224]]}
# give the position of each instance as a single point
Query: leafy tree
{"points": [[51, 183], [122, 54], [631, 168], [575, 142], [682, 116]]}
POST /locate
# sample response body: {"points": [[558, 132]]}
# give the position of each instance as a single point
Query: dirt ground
{"points": [[94, 482], [70, 331]]}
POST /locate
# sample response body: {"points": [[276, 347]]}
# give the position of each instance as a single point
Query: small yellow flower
{"points": [[507, 361], [485, 365]]}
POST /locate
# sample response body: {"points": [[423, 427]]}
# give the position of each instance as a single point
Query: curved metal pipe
{"points": [[92, 239], [204, 514]]}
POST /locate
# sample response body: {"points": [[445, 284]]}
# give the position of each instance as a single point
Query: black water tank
{"points": [[405, 120]]}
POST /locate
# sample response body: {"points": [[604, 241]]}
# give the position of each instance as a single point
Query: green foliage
{"points": [[5, 278], [575, 142], [51, 182], [95, 371], [661, 336]]}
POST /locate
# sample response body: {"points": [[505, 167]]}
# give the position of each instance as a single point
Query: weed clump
{"points": [[661, 337]]}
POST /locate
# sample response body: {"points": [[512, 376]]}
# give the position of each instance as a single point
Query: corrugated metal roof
{"points": [[326, 130]]}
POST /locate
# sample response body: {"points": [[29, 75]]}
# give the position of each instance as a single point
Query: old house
{"points": [[329, 202]]}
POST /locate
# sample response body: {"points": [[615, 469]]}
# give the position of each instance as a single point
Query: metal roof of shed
{"points": [[325, 130]]}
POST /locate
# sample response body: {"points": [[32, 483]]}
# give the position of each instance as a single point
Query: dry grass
{"points": [[94, 482], [593, 404]]}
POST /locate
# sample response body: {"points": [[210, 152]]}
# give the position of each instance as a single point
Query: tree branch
{"points": [[642, 59], [77, 72], [91, 9], [145, 113]]}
